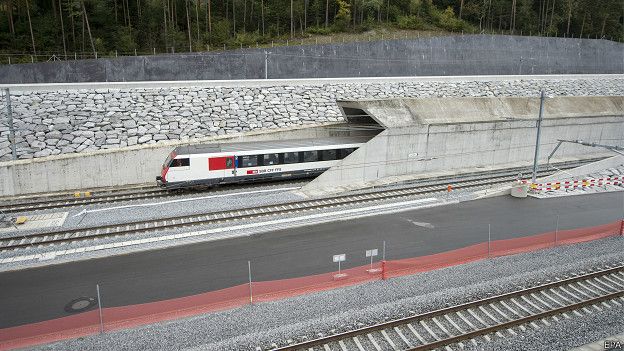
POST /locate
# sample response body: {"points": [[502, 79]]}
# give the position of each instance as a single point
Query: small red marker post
{"points": [[383, 270], [449, 188]]}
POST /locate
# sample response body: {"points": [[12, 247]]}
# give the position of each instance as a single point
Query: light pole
{"points": [[10, 122], [539, 134]]}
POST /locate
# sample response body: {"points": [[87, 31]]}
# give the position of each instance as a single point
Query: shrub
{"points": [[410, 22]]}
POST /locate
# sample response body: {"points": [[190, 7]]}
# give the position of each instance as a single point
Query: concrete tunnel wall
{"points": [[119, 167], [429, 148]]}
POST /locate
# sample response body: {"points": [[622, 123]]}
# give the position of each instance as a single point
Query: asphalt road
{"points": [[41, 293]]}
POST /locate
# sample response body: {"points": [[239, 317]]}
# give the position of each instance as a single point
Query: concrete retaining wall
{"points": [[448, 55], [426, 148], [73, 118]]}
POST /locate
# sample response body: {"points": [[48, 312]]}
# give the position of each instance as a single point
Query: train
{"points": [[208, 165]]}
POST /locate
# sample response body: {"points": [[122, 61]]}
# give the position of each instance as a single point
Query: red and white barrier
{"points": [[573, 184]]}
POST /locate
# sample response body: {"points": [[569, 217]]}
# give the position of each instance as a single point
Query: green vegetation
{"points": [[63, 27]]}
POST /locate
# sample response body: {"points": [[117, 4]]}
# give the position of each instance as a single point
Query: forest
{"points": [[40, 28]]}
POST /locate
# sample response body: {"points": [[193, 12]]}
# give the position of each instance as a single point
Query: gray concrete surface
{"points": [[434, 134], [447, 55], [190, 269], [611, 162]]}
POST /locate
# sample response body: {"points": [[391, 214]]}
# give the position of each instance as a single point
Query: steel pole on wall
{"points": [[539, 134], [10, 122], [266, 65]]}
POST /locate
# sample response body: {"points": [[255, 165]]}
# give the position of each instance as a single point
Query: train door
{"points": [[222, 167]]}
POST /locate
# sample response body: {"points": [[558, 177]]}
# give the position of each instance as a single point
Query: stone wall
{"points": [[68, 119]]}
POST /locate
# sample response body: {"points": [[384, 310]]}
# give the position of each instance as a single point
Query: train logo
{"points": [[260, 171]]}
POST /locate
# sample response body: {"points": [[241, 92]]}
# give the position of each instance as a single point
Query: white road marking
{"points": [[421, 224], [183, 200]]}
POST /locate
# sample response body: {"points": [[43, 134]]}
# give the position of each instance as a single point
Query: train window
{"points": [[180, 162], [310, 156], [328, 155], [291, 157], [271, 159], [247, 161], [345, 152]]}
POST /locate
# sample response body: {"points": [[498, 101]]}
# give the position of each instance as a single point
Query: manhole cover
{"points": [[80, 304]]}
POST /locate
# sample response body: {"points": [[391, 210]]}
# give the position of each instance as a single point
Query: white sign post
{"points": [[339, 258], [372, 253]]}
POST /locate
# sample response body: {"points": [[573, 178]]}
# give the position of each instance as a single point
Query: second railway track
{"points": [[114, 230], [505, 315], [140, 193]]}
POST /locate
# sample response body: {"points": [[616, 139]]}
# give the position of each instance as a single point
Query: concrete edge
{"points": [[296, 82]]}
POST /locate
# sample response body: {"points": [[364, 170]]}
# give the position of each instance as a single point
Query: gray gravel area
{"points": [[564, 334], [309, 316], [185, 203]]}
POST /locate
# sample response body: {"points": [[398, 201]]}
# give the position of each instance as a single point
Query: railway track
{"points": [[506, 315], [66, 201], [31, 204], [113, 196], [64, 236]]}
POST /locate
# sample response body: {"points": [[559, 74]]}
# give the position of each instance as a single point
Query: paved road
{"points": [[39, 294]]}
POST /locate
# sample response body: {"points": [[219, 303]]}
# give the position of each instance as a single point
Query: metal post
{"points": [[153, 51], [97, 287], [371, 265], [250, 289], [338, 267], [10, 122], [383, 251], [556, 230], [622, 224], [489, 238], [266, 65], [539, 134]]}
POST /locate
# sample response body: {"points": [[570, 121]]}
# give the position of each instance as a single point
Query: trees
{"points": [[34, 26], [32, 35]]}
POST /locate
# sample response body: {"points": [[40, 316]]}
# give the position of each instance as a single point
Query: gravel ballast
{"points": [[309, 316]]}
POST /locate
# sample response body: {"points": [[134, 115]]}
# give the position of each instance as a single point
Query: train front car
{"points": [[161, 180], [212, 164]]}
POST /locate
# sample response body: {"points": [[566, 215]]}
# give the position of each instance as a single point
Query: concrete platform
{"points": [[38, 221]]}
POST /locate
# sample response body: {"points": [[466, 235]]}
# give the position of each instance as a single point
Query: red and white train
{"points": [[211, 164]]}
